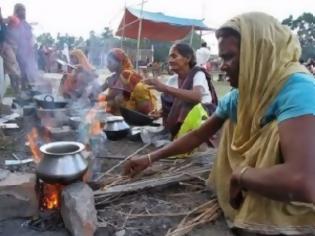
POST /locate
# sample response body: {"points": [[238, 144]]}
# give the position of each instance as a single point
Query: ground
{"points": [[131, 212]]}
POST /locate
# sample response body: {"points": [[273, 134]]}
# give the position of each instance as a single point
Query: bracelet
{"points": [[149, 158], [242, 172]]}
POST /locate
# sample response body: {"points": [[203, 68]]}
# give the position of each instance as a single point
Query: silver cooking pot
{"points": [[62, 162], [116, 128]]}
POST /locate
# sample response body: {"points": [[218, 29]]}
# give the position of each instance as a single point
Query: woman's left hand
{"points": [[155, 83], [236, 195]]}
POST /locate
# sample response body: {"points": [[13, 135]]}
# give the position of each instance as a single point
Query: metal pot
{"points": [[116, 128], [62, 162], [48, 101], [75, 122]]}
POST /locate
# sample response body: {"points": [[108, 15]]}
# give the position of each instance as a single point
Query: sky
{"points": [[79, 17]]}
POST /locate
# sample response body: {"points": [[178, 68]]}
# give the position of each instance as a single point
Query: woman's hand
{"points": [[236, 195], [155, 83], [136, 164]]}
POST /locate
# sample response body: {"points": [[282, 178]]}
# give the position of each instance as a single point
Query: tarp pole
{"points": [[139, 36], [192, 35], [124, 25]]}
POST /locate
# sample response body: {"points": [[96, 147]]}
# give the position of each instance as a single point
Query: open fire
{"points": [[50, 198], [32, 139]]}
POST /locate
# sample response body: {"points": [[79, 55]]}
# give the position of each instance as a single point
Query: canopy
{"points": [[157, 26]]}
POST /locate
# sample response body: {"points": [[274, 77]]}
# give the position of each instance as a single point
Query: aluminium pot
{"points": [[62, 162], [116, 128]]}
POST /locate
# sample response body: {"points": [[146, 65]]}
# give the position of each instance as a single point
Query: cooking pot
{"points": [[116, 128], [136, 118], [62, 162], [48, 101], [75, 122]]}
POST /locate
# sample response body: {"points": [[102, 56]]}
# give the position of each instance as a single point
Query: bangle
{"points": [[149, 158], [242, 172]]}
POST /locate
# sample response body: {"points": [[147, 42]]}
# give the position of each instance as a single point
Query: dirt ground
{"points": [[145, 212]]}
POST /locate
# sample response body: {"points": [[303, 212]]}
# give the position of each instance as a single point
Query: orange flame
{"points": [[51, 196], [95, 125], [102, 102], [32, 138]]}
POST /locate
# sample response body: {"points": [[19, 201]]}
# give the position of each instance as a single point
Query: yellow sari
{"points": [[269, 54]]}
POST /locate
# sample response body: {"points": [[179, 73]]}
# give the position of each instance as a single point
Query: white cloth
{"points": [[199, 80], [202, 56], [65, 52]]}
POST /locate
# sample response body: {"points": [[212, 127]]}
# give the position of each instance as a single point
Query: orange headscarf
{"points": [[83, 61], [129, 77], [71, 82]]}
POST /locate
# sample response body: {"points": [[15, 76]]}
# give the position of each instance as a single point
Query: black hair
{"points": [[186, 51], [227, 32]]}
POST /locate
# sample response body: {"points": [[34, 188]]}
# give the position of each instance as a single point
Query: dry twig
{"points": [[210, 211], [121, 162]]}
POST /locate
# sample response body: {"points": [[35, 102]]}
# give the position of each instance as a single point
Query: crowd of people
{"points": [[263, 175]]}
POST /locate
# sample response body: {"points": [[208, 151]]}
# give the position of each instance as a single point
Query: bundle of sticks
{"points": [[206, 213]]}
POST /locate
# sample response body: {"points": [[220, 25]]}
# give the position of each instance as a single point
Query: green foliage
{"points": [[62, 39], [304, 26], [97, 44], [46, 39]]}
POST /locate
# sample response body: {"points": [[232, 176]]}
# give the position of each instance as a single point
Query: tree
{"points": [[62, 39], [46, 39], [304, 26]]}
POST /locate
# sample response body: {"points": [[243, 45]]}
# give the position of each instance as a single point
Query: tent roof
{"points": [[157, 26], [159, 17]]}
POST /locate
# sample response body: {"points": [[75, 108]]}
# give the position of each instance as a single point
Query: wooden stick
{"points": [[150, 183], [123, 161]]}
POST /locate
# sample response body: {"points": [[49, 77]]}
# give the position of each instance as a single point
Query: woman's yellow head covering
{"points": [[83, 61], [269, 53]]}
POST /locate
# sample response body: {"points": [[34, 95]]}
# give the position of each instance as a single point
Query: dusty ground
{"points": [[129, 213]]}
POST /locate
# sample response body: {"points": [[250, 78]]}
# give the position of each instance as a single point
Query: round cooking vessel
{"points": [[48, 101], [62, 162], [136, 118], [116, 128]]}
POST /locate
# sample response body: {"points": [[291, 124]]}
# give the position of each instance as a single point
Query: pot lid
{"points": [[114, 118]]}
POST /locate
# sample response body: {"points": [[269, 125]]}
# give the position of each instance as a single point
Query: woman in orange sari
{"points": [[125, 86], [76, 82]]}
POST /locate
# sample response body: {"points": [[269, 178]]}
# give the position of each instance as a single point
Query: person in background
{"points": [[21, 39], [191, 85], [41, 59], [80, 81], [125, 86], [7, 53], [203, 55], [264, 174]]}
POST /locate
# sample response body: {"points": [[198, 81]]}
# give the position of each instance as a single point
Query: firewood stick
{"points": [[123, 161]]}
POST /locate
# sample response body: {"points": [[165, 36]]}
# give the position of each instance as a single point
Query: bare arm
{"points": [[194, 95], [294, 179], [190, 140]]}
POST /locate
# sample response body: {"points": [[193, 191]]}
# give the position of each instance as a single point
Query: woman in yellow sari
{"points": [[264, 172], [125, 87]]}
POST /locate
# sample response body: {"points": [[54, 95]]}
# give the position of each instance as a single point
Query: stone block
{"points": [[17, 195], [78, 209]]}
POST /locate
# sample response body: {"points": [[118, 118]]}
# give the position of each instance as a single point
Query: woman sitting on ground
{"points": [[78, 81], [125, 87], [190, 86]]}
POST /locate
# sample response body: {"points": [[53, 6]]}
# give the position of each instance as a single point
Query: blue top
{"points": [[296, 98]]}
